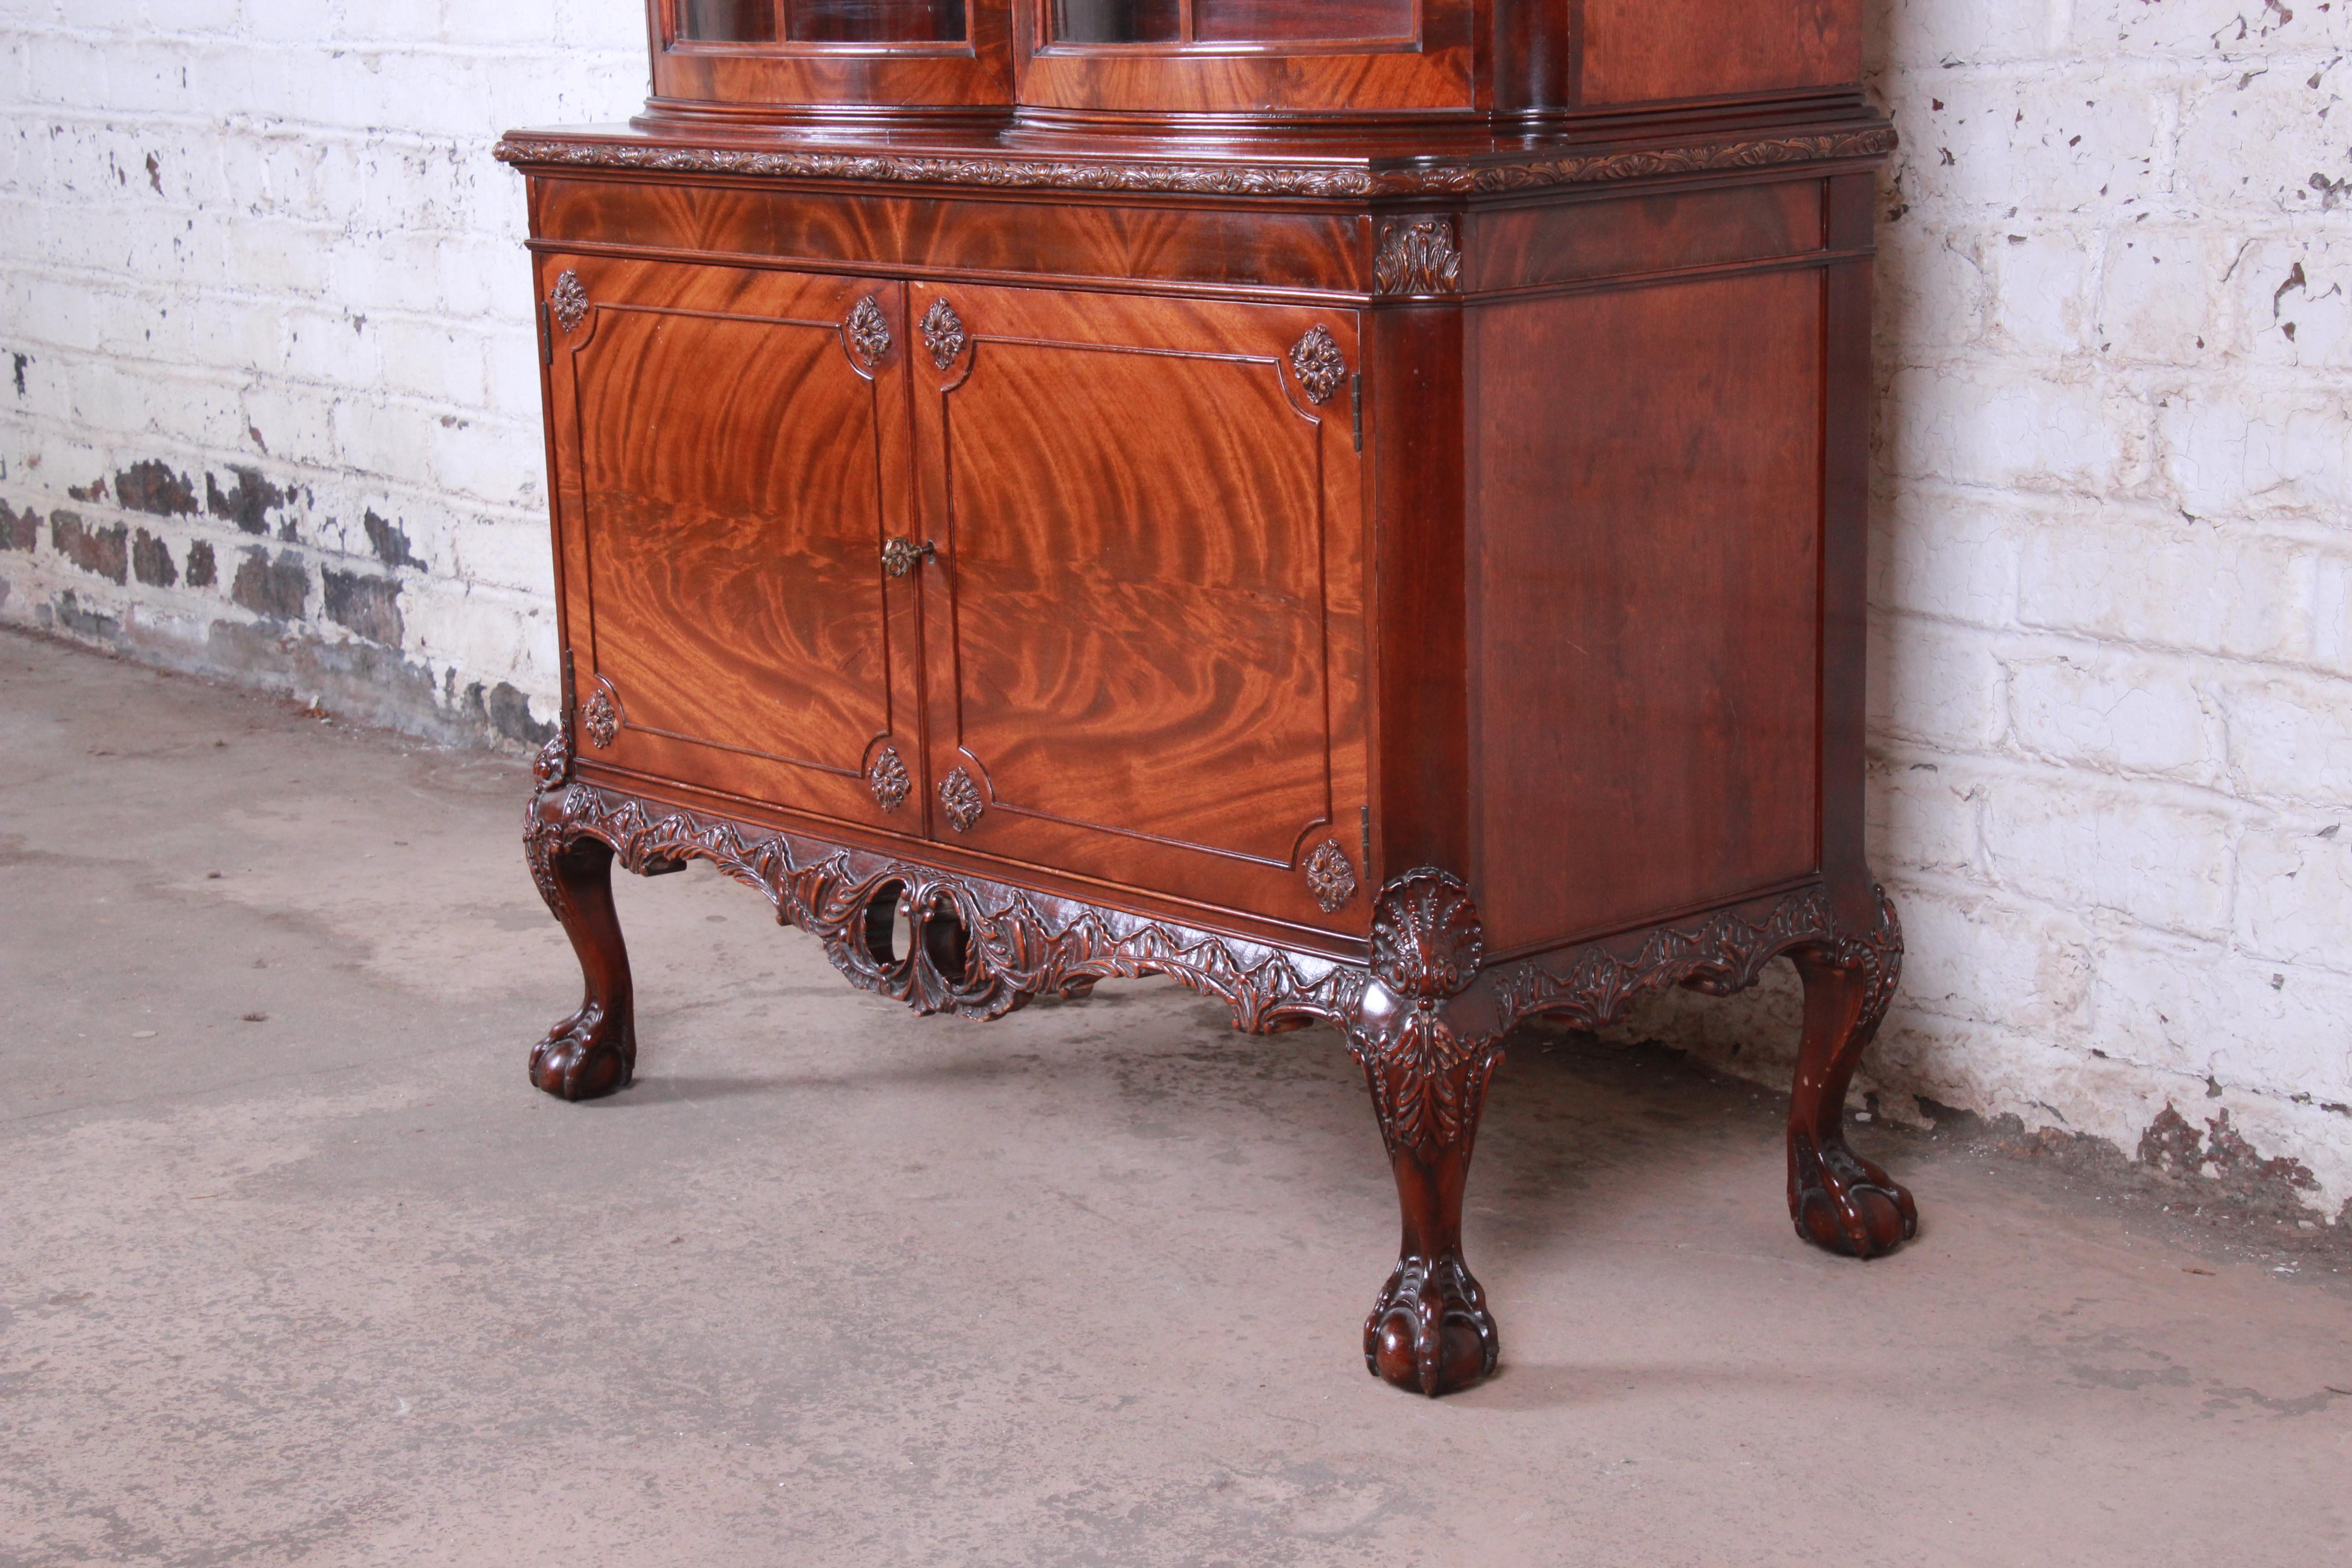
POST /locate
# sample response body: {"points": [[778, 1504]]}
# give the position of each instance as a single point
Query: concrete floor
{"points": [[296, 1269]]}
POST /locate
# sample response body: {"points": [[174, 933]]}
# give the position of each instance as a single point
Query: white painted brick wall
{"points": [[2112, 727], [269, 236], [2112, 685]]}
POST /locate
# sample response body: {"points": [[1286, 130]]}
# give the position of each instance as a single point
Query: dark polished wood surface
{"points": [[1370, 525]]}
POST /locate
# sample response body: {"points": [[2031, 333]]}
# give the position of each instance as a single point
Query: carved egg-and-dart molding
{"points": [[1319, 364], [568, 300]]}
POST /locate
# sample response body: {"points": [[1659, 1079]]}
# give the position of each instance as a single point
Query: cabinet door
{"points": [[1144, 628], [730, 449]]}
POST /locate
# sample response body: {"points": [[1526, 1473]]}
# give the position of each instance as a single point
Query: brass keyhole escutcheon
{"points": [[899, 557]]}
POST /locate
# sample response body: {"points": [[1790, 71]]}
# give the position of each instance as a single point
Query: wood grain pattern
{"points": [[1134, 613], [1646, 602], [1641, 50], [734, 595], [1576, 242], [1062, 241], [1245, 514]]}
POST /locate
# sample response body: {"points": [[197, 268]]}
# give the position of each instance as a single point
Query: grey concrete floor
{"points": [[296, 1268]]}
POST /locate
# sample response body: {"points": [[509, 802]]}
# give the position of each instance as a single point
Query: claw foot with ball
{"points": [[592, 1053], [1431, 1331]]}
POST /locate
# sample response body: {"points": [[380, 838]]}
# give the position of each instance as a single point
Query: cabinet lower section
{"points": [[1424, 1015]]}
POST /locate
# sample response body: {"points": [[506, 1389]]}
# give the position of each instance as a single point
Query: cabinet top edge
{"points": [[1431, 165]]}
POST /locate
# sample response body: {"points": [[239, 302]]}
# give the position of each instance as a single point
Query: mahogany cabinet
{"points": [[1357, 506]]}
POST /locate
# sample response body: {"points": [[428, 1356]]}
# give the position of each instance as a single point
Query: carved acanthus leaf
{"points": [[1418, 256]]}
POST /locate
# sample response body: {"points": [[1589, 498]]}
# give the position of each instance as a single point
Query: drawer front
{"points": [[728, 458], [1144, 622]]}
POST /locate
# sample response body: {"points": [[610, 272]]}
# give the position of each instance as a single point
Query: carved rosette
{"points": [[600, 717], [960, 798], [1319, 364], [943, 333], [1418, 256], [888, 779], [1330, 876], [868, 332], [568, 301]]}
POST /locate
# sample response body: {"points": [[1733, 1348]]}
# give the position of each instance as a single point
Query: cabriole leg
{"points": [[1430, 1330], [594, 1051], [1838, 1199]]}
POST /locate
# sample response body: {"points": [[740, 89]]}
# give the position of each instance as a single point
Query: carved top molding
{"points": [[1427, 177]]}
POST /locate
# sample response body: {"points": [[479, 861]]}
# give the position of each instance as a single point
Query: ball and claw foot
{"points": [[1845, 1203], [1430, 1333], [586, 1055]]}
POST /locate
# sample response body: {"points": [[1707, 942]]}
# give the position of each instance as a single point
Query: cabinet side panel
{"points": [[1647, 596], [1639, 51]]}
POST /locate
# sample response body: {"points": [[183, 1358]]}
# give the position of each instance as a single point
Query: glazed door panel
{"points": [[731, 448], [1144, 621]]}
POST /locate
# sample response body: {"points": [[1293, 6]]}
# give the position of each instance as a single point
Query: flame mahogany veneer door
{"points": [[1144, 628], [731, 448]]}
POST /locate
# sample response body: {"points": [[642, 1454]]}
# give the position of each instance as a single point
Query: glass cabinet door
{"points": [[1123, 57], [1232, 22], [759, 60], [726, 21], [821, 21]]}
